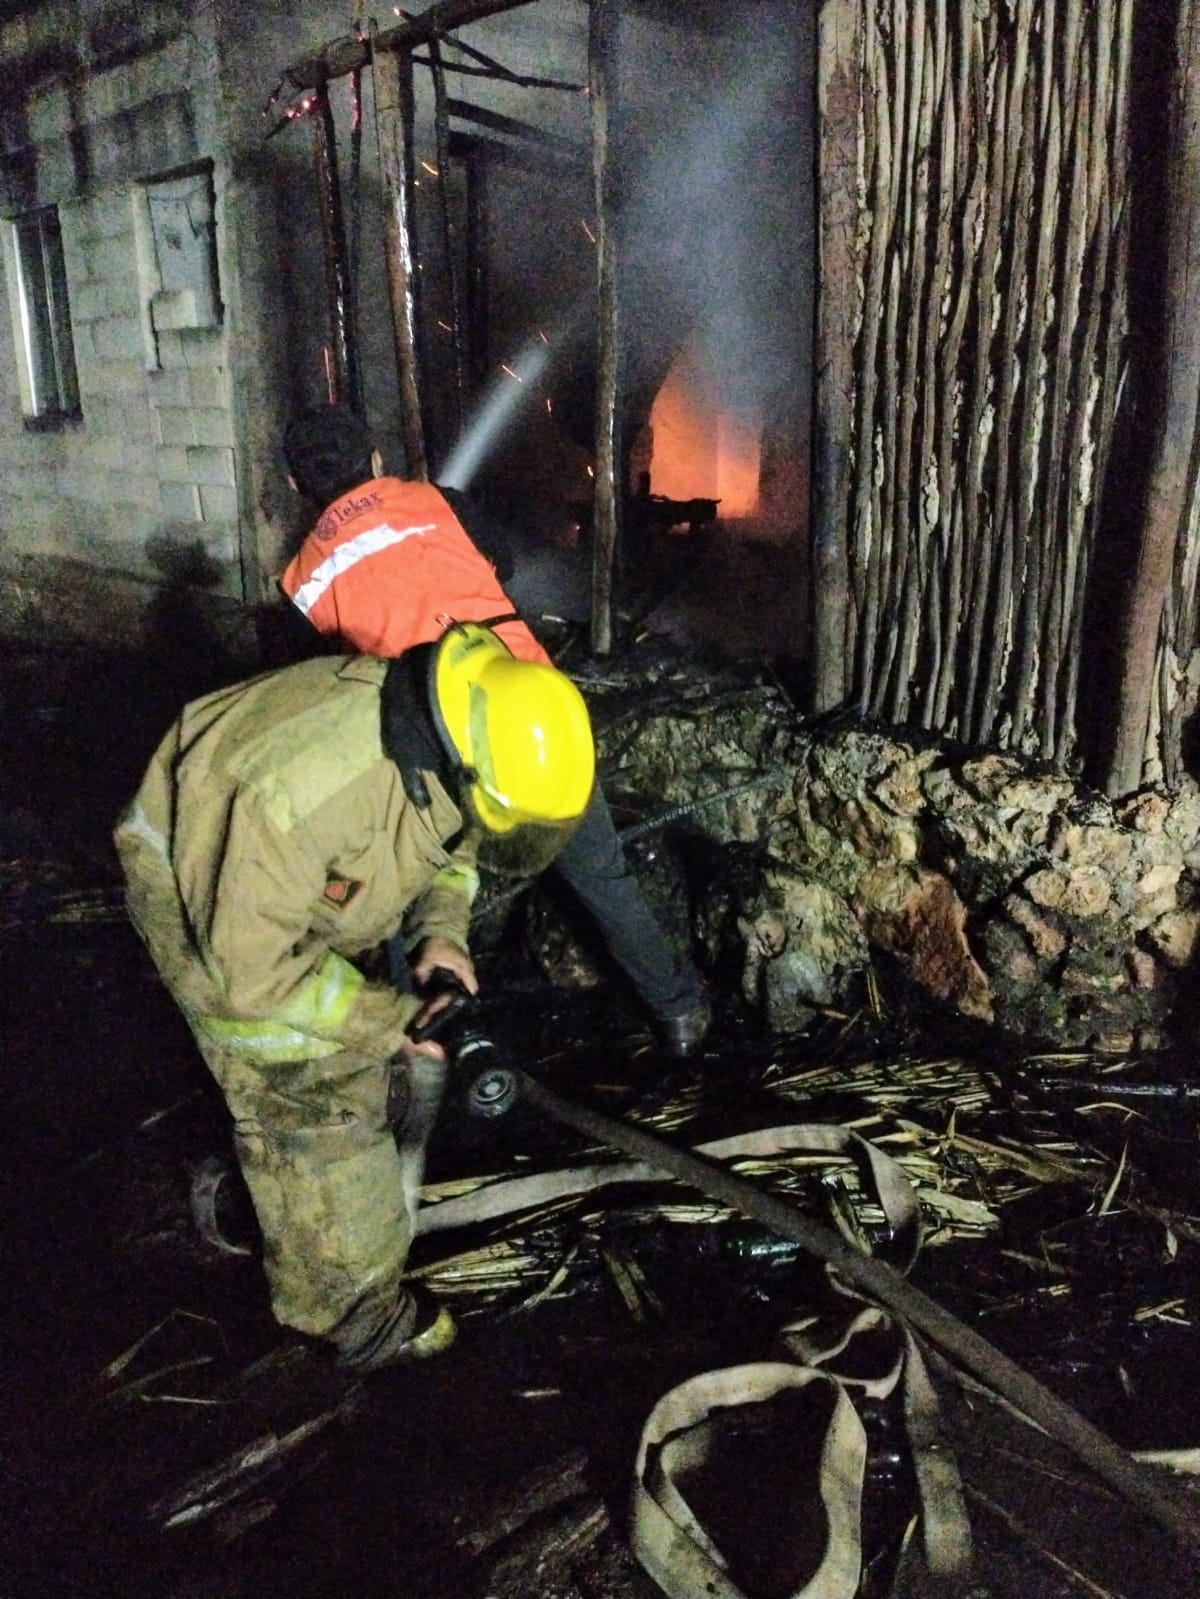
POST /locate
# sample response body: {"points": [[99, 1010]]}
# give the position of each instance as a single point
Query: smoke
{"points": [[711, 211], [712, 218]]}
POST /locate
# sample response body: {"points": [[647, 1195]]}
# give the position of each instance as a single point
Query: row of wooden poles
{"points": [[389, 54], [972, 355]]}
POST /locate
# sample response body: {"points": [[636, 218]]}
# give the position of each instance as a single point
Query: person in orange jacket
{"points": [[389, 564]]}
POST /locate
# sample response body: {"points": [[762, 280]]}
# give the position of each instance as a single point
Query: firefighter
{"points": [[285, 826], [388, 564]]}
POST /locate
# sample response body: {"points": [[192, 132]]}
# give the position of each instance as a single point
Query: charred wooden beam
{"points": [[1173, 474], [339, 289], [342, 56], [478, 160], [441, 125], [838, 67], [601, 76], [515, 128], [393, 110]]}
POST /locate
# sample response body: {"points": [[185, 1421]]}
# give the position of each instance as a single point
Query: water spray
{"points": [[504, 394], [513, 386]]}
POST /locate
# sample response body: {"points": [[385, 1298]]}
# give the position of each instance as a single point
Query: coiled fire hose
{"points": [[886, 1285]]}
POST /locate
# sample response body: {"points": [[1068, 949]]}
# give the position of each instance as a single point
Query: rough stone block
{"points": [[160, 72], [84, 344], [210, 388], [125, 419], [89, 301], [128, 487], [915, 913], [177, 309], [124, 451], [171, 388], [113, 256], [170, 350], [48, 114], [203, 348], [1175, 937], [119, 338], [114, 378], [106, 93], [173, 465], [176, 425]]}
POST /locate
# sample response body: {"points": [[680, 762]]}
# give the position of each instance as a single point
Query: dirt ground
{"points": [[163, 1440]]}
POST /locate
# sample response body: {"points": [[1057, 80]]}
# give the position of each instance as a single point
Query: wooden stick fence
{"points": [[986, 356]]}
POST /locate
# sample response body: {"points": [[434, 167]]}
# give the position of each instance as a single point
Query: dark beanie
{"points": [[328, 451]]}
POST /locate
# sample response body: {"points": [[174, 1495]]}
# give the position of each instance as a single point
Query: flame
{"points": [[701, 450]]}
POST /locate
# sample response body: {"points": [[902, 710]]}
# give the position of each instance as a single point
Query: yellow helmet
{"points": [[521, 736]]}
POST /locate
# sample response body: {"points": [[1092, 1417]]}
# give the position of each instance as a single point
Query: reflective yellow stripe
{"points": [[301, 1030], [324, 1002], [266, 1040], [460, 879]]}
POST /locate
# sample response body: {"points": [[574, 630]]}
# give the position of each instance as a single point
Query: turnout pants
{"points": [[321, 1163]]}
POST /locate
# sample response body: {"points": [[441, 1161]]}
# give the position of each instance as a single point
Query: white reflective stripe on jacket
{"points": [[369, 542]]}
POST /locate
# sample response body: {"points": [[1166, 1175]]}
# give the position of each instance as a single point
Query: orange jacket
{"points": [[389, 565]]}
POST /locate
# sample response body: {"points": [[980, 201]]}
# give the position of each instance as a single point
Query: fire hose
{"points": [[493, 1085], [483, 1081]]}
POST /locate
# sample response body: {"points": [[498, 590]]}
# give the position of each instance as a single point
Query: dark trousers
{"points": [[594, 866]]}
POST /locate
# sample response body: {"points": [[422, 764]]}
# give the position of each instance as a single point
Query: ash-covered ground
{"points": [[165, 1441]]}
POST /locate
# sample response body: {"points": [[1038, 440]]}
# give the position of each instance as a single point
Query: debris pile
{"points": [[1013, 895]]}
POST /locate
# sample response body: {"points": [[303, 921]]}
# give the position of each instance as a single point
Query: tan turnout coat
{"points": [[271, 841]]}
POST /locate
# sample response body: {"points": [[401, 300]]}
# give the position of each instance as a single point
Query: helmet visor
{"points": [[507, 845]]}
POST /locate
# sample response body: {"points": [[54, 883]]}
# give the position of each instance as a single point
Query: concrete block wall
{"points": [[145, 484]]}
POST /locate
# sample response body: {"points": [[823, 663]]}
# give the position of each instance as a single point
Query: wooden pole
{"points": [[837, 299], [343, 55], [601, 79], [441, 123], [338, 286], [1173, 470], [393, 99], [477, 283]]}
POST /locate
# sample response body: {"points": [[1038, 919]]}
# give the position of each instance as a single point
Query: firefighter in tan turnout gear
{"points": [[289, 824]]}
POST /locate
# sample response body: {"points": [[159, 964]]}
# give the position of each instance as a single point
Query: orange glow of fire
{"points": [[701, 451]]}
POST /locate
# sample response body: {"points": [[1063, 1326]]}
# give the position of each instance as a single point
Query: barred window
{"points": [[41, 317]]}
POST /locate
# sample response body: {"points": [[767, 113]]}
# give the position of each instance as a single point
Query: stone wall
{"points": [[1012, 895]]}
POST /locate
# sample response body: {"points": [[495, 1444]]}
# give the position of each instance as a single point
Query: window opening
{"points": [[42, 317]]}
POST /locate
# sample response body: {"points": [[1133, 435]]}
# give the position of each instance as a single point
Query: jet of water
{"points": [[508, 389]]}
